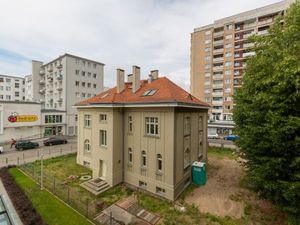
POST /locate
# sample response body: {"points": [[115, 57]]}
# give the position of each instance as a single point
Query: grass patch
{"points": [[115, 194], [227, 220], [188, 191], [53, 211], [222, 153]]}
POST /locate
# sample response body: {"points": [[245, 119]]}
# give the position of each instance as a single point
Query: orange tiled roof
{"points": [[167, 92]]}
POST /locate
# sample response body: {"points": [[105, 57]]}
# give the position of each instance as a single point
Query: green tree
{"points": [[267, 114]]}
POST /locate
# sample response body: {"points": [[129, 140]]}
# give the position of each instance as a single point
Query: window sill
{"points": [[152, 136], [159, 173], [103, 146]]}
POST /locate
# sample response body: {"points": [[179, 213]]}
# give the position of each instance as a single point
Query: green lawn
{"points": [[222, 153], [53, 211]]}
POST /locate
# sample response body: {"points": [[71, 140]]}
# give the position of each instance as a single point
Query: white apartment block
{"points": [[12, 88], [58, 85], [218, 54]]}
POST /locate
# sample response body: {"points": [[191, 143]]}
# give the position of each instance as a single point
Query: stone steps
{"points": [[95, 186]]}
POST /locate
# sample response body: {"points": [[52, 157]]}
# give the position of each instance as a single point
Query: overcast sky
{"points": [[153, 34]]}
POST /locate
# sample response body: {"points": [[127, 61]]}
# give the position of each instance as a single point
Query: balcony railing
{"points": [[218, 50], [217, 77], [246, 54], [59, 66], [42, 72], [217, 67], [262, 32], [219, 33], [59, 88], [263, 22], [218, 59], [50, 69], [59, 77], [42, 81], [216, 110], [217, 102], [249, 25], [218, 42], [217, 94], [217, 86], [248, 45]]}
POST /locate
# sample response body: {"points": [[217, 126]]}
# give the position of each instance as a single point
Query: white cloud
{"points": [[153, 34]]}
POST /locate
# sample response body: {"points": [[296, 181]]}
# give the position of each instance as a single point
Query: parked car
{"points": [[22, 145], [231, 137], [213, 136], [55, 141]]}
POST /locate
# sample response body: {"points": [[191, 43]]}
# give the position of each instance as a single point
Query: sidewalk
{"points": [[10, 208]]}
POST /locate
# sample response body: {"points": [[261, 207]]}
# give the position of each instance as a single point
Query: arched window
{"points": [[144, 159], [186, 160], [87, 145], [159, 162], [130, 155]]}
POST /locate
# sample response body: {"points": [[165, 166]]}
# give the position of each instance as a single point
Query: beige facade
{"points": [[148, 144], [218, 54]]}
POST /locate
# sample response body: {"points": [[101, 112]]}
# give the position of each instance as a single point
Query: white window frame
{"points": [[103, 138], [130, 156], [87, 121], [130, 124], [159, 163], [103, 118], [151, 125], [144, 159], [87, 145]]}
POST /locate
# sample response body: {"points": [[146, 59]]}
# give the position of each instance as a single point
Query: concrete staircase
{"points": [[95, 186]]}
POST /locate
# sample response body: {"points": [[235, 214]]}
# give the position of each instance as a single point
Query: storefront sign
{"points": [[15, 118]]}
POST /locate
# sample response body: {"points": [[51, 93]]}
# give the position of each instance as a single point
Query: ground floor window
{"points": [[160, 190], [87, 145], [86, 164], [142, 184]]}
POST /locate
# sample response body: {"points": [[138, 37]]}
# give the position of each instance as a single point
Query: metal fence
{"points": [[88, 206], [19, 158]]}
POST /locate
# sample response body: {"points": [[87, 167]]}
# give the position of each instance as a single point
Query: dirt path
{"points": [[223, 182]]}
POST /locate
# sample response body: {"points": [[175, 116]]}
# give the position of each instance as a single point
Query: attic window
{"points": [[149, 92]]}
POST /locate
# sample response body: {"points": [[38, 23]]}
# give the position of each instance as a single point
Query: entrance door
{"points": [[102, 168]]}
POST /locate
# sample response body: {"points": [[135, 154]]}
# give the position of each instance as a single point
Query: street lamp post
{"points": [[42, 157]]}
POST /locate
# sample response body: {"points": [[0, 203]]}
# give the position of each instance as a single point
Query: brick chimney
{"points": [[136, 77], [120, 80]]}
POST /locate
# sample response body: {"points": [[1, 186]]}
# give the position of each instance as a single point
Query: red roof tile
{"points": [[167, 92]]}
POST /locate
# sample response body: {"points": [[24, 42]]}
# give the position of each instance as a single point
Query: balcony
{"points": [[246, 54], [217, 94], [262, 32], [217, 77], [50, 69], [59, 66], [42, 82], [217, 102], [217, 110], [264, 22], [42, 72], [217, 68], [219, 33], [249, 25], [42, 91], [218, 42], [218, 59], [59, 99], [217, 85], [59, 77], [218, 50], [59, 88]]}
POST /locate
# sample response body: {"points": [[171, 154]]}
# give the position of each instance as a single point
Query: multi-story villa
{"points": [[12, 88], [146, 133], [58, 85], [218, 53]]}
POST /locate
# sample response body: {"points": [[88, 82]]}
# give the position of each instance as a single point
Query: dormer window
{"points": [[150, 92]]}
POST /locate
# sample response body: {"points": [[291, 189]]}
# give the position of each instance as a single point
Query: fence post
{"points": [[68, 193], [18, 161]]}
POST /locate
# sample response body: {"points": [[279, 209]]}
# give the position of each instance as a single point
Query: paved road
{"points": [[14, 157]]}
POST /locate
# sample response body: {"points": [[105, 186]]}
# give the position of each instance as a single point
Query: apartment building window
{"points": [[227, 90], [77, 61], [227, 81], [89, 64], [207, 99], [208, 32], [89, 95], [95, 85], [208, 41], [227, 107], [142, 184], [207, 58], [102, 118], [83, 95], [207, 82], [87, 121], [77, 72], [77, 94], [76, 118], [144, 159], [207, 90], [130, 156], [83, 63], [17, 85], [160, 191], [95, 65], [17, 94], [94, 75], [227, 63], [187, 125], [8, 97], [186, 158], [8, 88], [151, 125], [83, 73], [228, 54], [229, 27], [207, 74], [83, 84], [130, 124], [228, 45], [89, 85], [8, 80], [103, 138], [89, 74], [159, 163], [227, 72], [53, 118], [77, 83], [227, 99], [208, 49], [228, 36], [87, 145], [207, 66], [1, 88]]}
